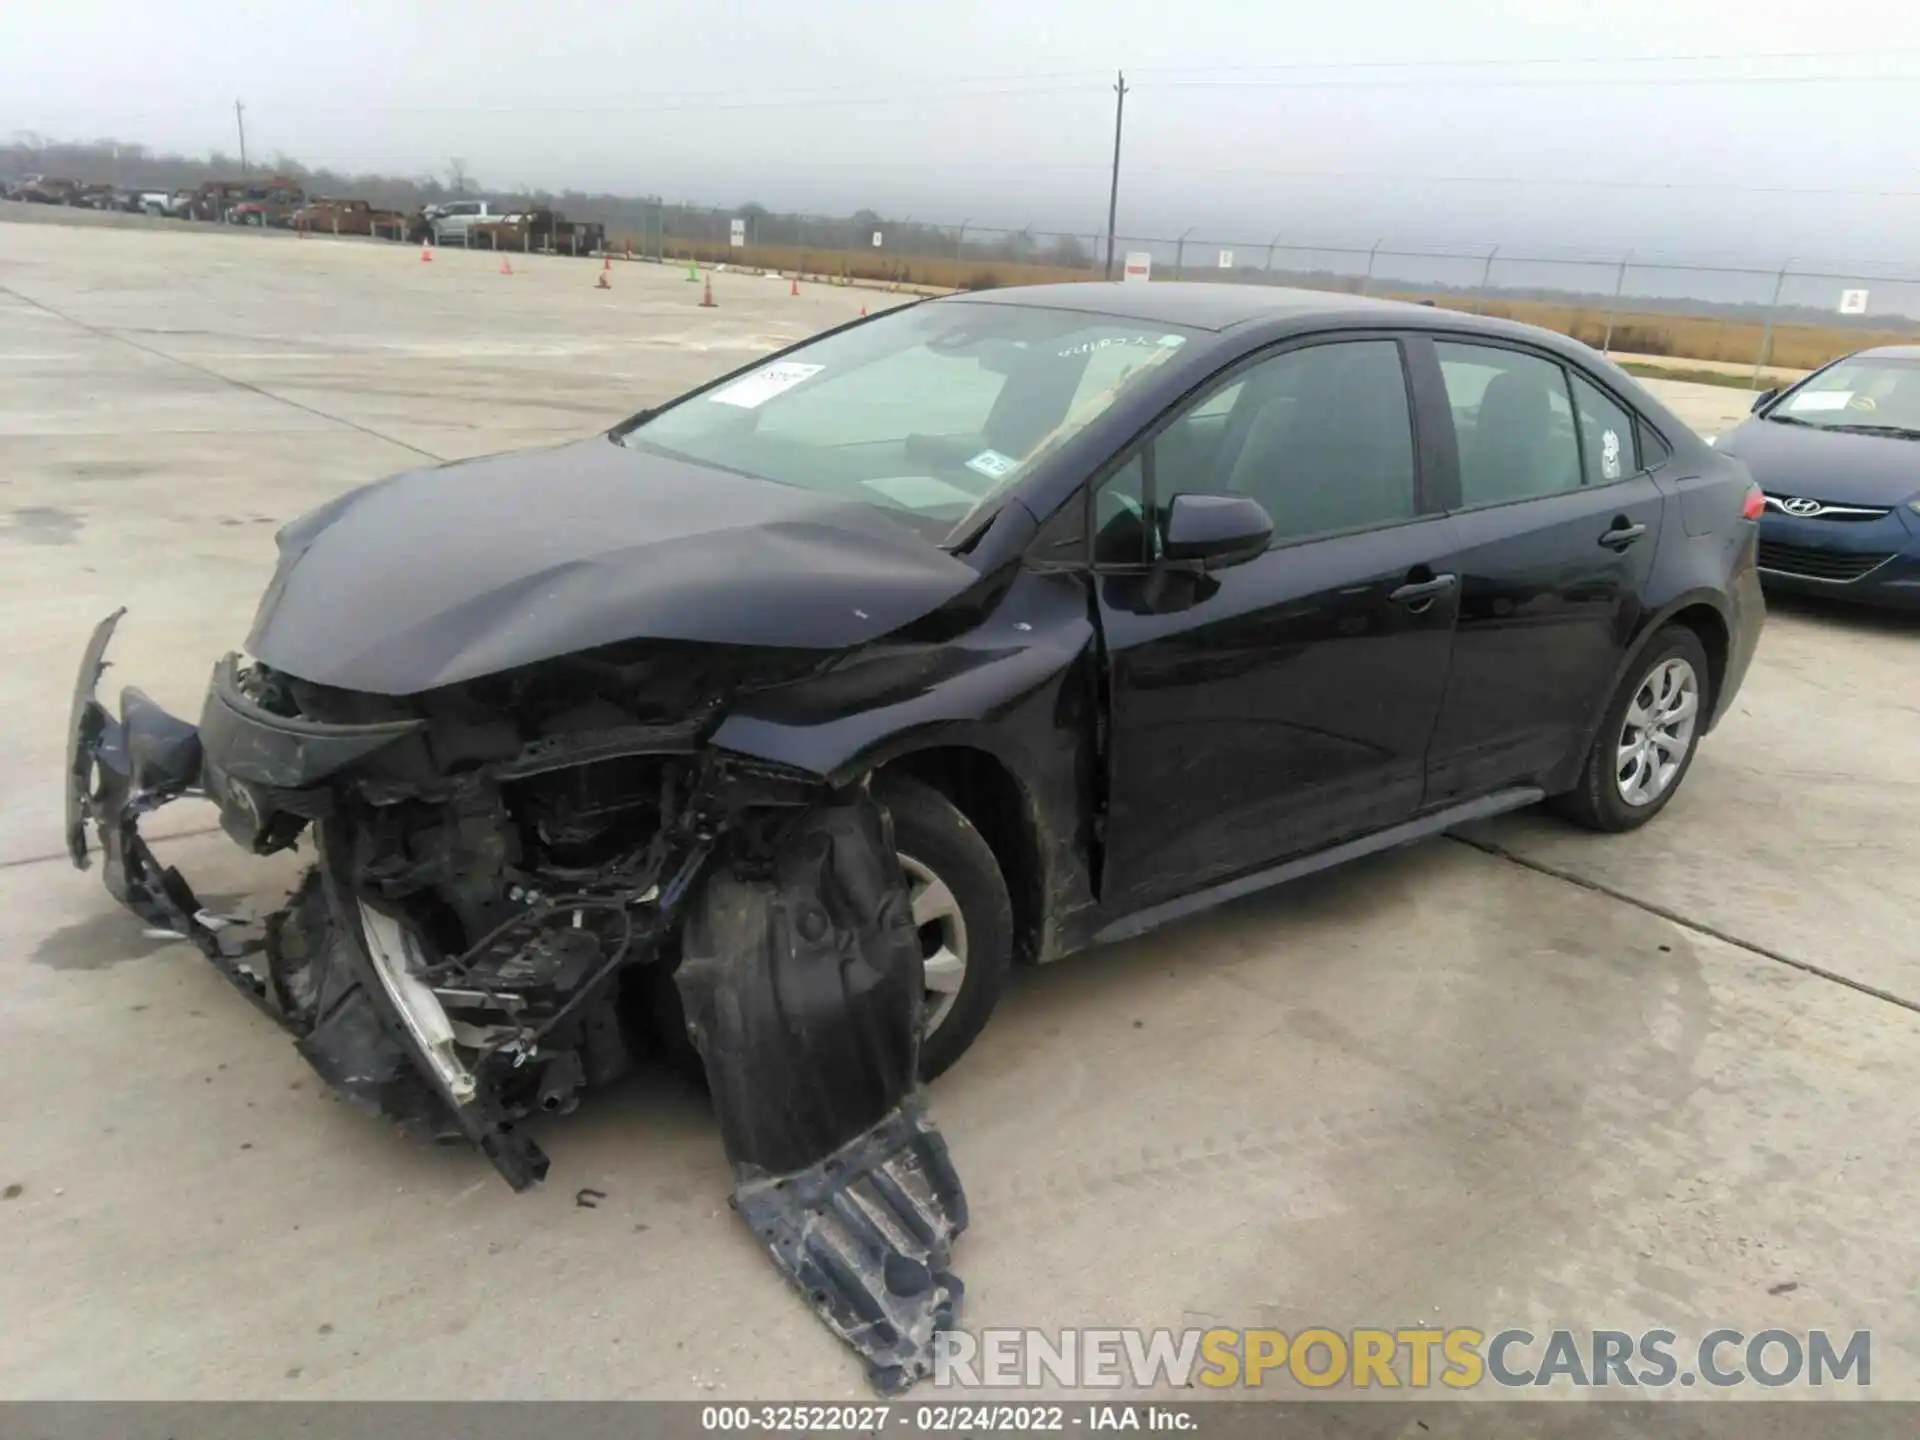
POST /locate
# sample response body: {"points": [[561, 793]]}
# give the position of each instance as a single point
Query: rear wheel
{"points": [[1646, 743]]}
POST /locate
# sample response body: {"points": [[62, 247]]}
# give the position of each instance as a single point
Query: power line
{"points": [[1520, 60], [1477, 82]]}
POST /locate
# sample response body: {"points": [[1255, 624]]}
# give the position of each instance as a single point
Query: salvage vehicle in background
{"points": [[47, 190], [270, 204], [776, 724], [214, 198], [539, 229], [449, 223], [347, 217], [1838, 455]]}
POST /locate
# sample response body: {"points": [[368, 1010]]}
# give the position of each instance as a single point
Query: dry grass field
{"points": [[1688, 337]]}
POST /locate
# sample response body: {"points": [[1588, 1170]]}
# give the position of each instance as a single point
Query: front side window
{"points": [[1513, 423], [1321, 436], [933, 411], [1121, 535]]}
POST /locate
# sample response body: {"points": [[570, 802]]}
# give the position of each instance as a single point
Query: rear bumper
{"points": [[1748, 617]]}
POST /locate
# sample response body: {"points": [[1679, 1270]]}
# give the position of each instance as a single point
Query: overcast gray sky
{"points": [[1588, 124]]}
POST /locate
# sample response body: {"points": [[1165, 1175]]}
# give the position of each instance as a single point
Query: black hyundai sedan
{"points": [[1838, 456], [776, 723]]}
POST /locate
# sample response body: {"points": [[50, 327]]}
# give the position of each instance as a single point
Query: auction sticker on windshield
{"points": [[1820, 400], [993, 465], [762, 385]]}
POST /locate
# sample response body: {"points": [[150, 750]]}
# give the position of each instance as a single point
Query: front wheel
{"points": [[961, 910], [1646, 743]]}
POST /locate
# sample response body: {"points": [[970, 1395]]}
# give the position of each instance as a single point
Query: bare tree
{"points": [[457, 176]]}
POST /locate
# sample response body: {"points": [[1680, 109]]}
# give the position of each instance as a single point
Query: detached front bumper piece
{"points": [[120, 768], [803, 990]]}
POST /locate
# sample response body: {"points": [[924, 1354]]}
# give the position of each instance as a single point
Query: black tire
{"points": [[1596, 801], [930, 830]]}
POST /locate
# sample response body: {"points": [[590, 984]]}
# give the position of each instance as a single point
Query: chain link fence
{"points": [[1731, 319]]}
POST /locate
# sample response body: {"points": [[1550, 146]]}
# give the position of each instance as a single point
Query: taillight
{"points": [[1756, 503]]}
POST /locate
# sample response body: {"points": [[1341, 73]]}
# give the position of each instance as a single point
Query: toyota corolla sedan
{"points": [[1838, 456], [777, 723]]}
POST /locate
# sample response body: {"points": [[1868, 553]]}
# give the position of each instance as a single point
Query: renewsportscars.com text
{"points": [[1459, 1358]]}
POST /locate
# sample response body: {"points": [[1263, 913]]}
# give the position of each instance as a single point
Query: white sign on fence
{"points": [[1226, 259], [1853, 302], [739, 235], [1139, 266], [876, 239]]}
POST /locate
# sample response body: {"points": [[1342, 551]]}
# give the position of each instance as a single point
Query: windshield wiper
{"points": [[1794, 420], [1897, 432]]}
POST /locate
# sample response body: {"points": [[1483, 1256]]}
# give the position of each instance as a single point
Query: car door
{"points": [[1557, 523], [1280, 705]]}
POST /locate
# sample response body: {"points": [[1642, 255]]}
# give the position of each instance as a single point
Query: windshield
{"points": [[935, 410], [1867, 393]]}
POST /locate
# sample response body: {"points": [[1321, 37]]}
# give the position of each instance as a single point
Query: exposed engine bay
{"points": [[520, 881]]}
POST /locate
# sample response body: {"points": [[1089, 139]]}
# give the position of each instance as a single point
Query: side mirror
{"points": [[1214, 531], [1763, 397]]}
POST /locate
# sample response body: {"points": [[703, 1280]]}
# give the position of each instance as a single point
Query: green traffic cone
{"points": [[693, 269]]}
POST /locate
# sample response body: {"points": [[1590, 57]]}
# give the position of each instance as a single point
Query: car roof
{"points": [[1200, 305]]}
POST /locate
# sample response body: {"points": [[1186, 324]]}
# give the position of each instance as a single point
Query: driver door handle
{"points": [[1622, 535], [1418, 595]]}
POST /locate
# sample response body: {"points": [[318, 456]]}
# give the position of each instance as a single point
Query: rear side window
{"points": [[1606, 435], [1513, 421]]}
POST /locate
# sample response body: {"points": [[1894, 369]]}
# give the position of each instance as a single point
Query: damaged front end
{"points": [[521, 881]]}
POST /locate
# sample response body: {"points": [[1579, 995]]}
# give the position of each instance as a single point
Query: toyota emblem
{"points": [[1801, 506]]}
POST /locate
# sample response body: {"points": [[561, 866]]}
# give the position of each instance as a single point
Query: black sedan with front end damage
{"points": [[774, 725]]}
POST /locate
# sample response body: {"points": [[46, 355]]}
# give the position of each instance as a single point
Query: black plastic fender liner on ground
{"points": [[803, 990]]}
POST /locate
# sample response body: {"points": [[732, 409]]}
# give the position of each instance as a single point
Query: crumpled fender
{"points": [[803, 989]]}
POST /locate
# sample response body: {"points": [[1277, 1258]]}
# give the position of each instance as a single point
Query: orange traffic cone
{"points": [[794, 289], [506, 266], [601, 282], [606, 260], [863, 312], [426, 253], [706, 296]]}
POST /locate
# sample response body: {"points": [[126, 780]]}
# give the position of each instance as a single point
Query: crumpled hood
{"points": [[437, 576], [1839, 468]]}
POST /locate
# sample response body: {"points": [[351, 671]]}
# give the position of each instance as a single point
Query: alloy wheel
{"points": [[943, 939], [1657, 732]]}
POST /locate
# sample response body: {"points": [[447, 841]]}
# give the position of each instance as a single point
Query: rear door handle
{"points": [[1418, 595], [1622, 535]]}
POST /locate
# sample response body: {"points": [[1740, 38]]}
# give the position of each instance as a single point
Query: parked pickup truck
{"points": [[177, 203], [347, 217], [214, 198], [48, 190], [538, 230], [452, 222], [267, 205]]}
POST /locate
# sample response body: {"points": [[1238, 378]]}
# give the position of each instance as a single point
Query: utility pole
{"points": [[239, 119], [1113, 194]]}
